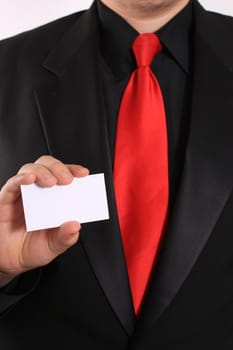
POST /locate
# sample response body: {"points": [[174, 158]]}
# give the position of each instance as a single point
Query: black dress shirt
{"points": [[172, 68]]}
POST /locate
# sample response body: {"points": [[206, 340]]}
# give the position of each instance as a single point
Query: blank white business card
{"points": [[84, 200]]}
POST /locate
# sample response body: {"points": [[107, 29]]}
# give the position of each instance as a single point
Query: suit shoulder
{"points": [[216, 30], [57, 26], [221, 17], [35, 42], [220, 20]]}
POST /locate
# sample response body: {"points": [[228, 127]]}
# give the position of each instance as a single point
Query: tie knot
{"points": [[145, 47]]}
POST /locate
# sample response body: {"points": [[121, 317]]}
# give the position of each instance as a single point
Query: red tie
{"points": [[141, 167]]}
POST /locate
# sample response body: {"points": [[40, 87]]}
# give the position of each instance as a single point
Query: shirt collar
{"points": [[117, 37]]}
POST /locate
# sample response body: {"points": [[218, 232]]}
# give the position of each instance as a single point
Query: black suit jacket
{"points": [[51, 102]]}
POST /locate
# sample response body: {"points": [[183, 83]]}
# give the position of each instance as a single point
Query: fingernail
{"points": [[84, 169]]}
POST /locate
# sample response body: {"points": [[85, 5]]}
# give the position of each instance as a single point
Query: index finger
{"points": [[10, 192], [60, 170]]}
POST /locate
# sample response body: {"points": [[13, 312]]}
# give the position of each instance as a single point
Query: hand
{"points": [[21, 251]]}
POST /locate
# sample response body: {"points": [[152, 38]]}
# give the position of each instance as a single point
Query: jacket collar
{"points": [[72, 114], [207, 178], [206, 182]]}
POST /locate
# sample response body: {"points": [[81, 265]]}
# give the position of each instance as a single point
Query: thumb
{"points": [[41, 247], [63, 238]]}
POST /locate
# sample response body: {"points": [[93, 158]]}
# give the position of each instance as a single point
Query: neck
{"points": [[146, 16]]}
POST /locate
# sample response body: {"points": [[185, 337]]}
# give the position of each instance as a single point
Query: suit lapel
{"points": [[207, 179], [73, 93]]}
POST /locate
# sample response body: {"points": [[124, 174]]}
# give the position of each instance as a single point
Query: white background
{"points": [[20, 15]]}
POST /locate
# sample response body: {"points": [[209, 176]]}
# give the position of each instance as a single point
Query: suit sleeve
{"points": [[17, 289]]}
